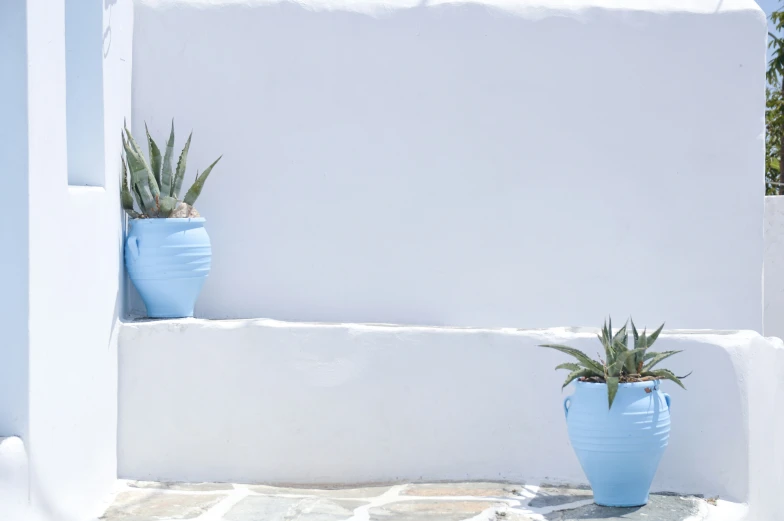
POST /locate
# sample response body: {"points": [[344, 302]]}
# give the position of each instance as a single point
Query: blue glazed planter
{"points": [[168, 261], [620, 448]]}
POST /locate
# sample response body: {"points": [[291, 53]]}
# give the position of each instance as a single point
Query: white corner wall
{"points": [[71, 259], [764, 379], [13, 231], [277, 402], [14, 482], [492, 163]]}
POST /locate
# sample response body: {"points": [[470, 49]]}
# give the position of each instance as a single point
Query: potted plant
{"points": [[618, 419], [167, 252]]}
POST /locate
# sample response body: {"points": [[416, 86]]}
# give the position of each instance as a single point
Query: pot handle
{"points": [[567, 404], [667, 399], [133, 246]]}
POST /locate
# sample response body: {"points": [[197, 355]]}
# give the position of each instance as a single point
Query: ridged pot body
{"points": [[168, 261], [619, 448]]}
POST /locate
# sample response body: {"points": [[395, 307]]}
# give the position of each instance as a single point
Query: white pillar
{"points": [[61, 268]]}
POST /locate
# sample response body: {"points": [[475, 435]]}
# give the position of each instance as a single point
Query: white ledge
{"points": [[261, 400], [14, 493], [526, 8], [140, 323]]}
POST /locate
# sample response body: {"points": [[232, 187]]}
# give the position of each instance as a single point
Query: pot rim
{"points": [[648, 383], [170, 219]]}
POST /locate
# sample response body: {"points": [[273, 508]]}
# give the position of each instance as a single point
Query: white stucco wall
{"points": [[14, 482], [70, 261], [267, 401], [487, 164], [764, 378], [774, 267], [13, 231]]}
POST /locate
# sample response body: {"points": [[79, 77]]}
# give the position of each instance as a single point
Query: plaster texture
{"points": [[774, 267], [408, 502], [441, 163], [14, 475], [61, 265], [13, 232], [276, 402]]}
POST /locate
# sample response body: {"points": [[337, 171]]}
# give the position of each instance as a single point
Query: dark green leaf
{"points": [[665, 374], [140, 179], [167, 176], [168, 204], [195, 189], [155, 156], [655, 335], [139, 156], [179, 174], [612, 390], [584, 359], [580, 373], [615, 369], [658, 357], [569, 366]]}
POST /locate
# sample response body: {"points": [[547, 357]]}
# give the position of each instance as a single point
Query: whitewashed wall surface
{"points": [[508, 163], [774, 267], [61, 268], [276, 402]]}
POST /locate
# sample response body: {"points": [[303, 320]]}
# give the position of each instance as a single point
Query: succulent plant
{"points": [[623, 364], [155, 186]]}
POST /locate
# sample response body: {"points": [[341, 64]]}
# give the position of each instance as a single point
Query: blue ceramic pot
{"points": [[620, 448], [168, 261]]}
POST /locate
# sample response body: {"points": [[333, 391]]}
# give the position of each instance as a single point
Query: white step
{"points": [[14, 489], [275, 402]]}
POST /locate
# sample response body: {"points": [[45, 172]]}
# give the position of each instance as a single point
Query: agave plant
{"points": [[155, 186], [623, 363]]}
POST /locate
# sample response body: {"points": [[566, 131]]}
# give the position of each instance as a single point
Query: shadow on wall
{"points": [[462, 166], [694, 443]]}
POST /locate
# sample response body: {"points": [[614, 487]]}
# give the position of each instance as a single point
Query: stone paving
{"points": [[152, 501]]}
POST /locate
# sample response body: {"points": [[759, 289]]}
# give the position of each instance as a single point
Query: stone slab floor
{"points": [[153, 501]]}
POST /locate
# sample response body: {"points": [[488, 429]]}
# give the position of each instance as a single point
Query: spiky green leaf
{"points": [[612, 390], [166, 171], [621, 335], [656, 358], [569, 366], [139, 155], [167, 206], [126, 199], [609, 352], [581, 357], [140, 179], [179, 174], [654, 336], [620, 345], [134, 191], [615, 369], [665, 374], [635, 333], [580, 373], [198, 184], [133, 144], [155, 156], [630, 362]]}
